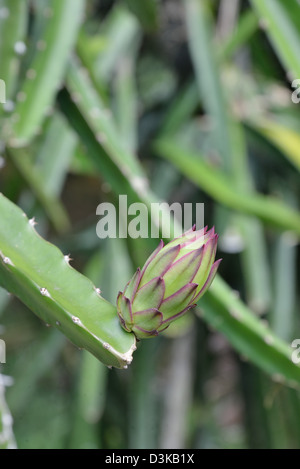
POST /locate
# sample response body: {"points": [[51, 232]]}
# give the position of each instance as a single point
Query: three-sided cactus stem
{"points": [[40, 275]]}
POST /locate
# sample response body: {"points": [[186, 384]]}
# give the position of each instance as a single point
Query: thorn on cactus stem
{"points": [[45, 292], [32, 222], [76, 320], [7, 261], [68, 259]]}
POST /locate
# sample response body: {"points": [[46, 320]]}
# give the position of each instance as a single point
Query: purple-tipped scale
{"points": [[171, 282]]}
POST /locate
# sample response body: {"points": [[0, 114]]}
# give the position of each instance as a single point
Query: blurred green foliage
{"points": [[186, 101]]}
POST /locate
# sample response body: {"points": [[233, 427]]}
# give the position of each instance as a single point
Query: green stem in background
{"points": [[251, 337], [287, 140], [254, 254], [207, 76], [245, 29], [99, 133], [47, 198], [228, 141], [13, 23], [220, 188], [280, 19], [40, 275], [178, 391], [46, 353], [143, 398], [7, 439], [284, 316], [89, 403], [46, 71]]}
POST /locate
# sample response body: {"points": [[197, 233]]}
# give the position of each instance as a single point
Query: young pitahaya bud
{"points": [[171, 282]]}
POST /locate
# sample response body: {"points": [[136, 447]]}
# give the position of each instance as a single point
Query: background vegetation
{"points": [[176, 100]]}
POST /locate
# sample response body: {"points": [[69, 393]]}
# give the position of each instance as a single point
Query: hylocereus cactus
{"points": [[171, 282]]}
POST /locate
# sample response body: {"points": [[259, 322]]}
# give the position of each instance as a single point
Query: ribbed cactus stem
{"points": [[41, 276]]}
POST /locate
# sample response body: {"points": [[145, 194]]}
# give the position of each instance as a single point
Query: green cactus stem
{"points": [[41, 277]]}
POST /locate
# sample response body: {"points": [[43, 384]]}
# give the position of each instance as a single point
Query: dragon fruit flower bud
{"points": [[171, 282]]}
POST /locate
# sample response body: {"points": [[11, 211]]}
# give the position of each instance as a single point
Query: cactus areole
{"points": [[171, 282]]}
